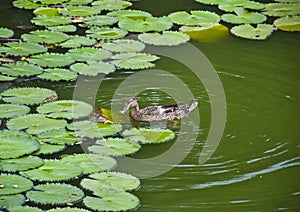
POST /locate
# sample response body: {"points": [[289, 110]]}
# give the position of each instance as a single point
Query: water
{"points": [[256, 165]]}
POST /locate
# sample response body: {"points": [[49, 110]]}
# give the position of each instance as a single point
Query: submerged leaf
{"points": [[20, 69], [195, 18], [12, 110], [6, 33], [134, 60], [45, 36], [23, 48], [290, 23], [51, 60], [167, 38], [50, 20], [111, 4], [58, 74], [261, 32], [89, 54], [21, 164], [93, 68], [106, 33], [244, 17], [14, 184], [124, 45]]}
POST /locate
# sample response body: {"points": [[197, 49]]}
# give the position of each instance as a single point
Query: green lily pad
{"points": [[167, 38], [243, 16], [79, 2], [21, 164], [28, 95], [12, 110], [261, 32], [6, 33], [64, 28], [130, 14], [91, 163], [45, 36], [11, 200], [282, 9], [4, 78], [48, 149], [91, 129], [78, 41], [106, 33], [112, 5], [79, 11], [14, 184], [114, 147], [134, 60], [99, 20], [46, 11], [93, 68], [51, 60], [53, 170], [108, 181], [210, 1], [55, 194], [58, 74], [20, 69], [24, 209], [68, 209], [112, 201], [195, 18], [25, 4], [289, 23], [89, 54], [124, 45], [60, 137], [35, 123], [69, 109], [145, 25], [22, 48], [49, 2], [149, 136], [50, 20], [229, 6]]}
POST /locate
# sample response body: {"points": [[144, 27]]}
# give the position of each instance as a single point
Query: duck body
{"points": [[157, 113]]}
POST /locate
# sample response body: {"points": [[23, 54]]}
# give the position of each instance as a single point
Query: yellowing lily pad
{"points": [[290, 23]]}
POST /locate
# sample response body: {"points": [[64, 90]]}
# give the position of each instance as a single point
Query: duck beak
{"points": [[124, 109]]}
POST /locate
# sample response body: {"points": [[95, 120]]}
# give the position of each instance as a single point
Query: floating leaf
{"points": [[93, 68], [55, 194], [23, 48], [51, 60], [107, 181], [20, 69], [91, 163], [60, 137], [124, 45], [210, 1], [89, 54], [46, 11], [145, 25], [11, 110], [167, 38], [111, 4], [79, 2], [69, 109], [28, 95], [229, 6], [49, 2], [290, 23], [149, 136], [26, 4], [78, 41], [282, 9], [114, 147], [131, 14], [6, 33], [4, 78], [64, 28], [195, 18], [50, 20], [261, 32], [67, 209], [11, 200], [35, 123], [45, 36], [112, 201], [47, 149], [14, 184], [79, 11], [58, 74], [24, 209], [134, 60], [53, 170], [15, 145], [21, 164], [99, 20], [106, 33], [91, 129], [244, 17]]}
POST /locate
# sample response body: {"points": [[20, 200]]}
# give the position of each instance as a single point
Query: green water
{"points": [[256, 165]]}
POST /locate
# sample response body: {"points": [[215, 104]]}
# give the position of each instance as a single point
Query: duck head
{"points": [[130, 103]]}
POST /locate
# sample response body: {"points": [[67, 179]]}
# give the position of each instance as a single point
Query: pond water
{"points": [[256, 164]]}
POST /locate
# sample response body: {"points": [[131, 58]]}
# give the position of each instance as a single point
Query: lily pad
{"points": [[149, 136], [124, 45], [79, 2], [243, 16], [229, 6], [112, 4], [46, 11], [64, 28], [4, 78], [6, 33], [106, 33], [21, 164], [130, 14], [55, 194], [210, 1], [11, 200], [112, 201], [134, 60], [12, 110], [68, 209], [51, 60], [89, 54], [24, 209], [282, 9], [22, 48], [45, 36], [35, 123], [26, 4], [58, 74], [78, 41], [145, 25], [290, 23], [50, 20], [48, 149], [108, 181], [28, 95], [69, 109], [53, 170], [14, 184], [114, 147], [79, 11], [60, 137], [91, 129], [20, 69], [167, 38], [99, 20], [195, 18], [261, 32], [91, 163], [93, 68]]}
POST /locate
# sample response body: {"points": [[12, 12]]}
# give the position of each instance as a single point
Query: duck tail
{"points": [[193, 105]]}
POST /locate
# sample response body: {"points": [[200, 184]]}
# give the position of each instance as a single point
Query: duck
{"points": [[157, 113], [98, 116]]}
